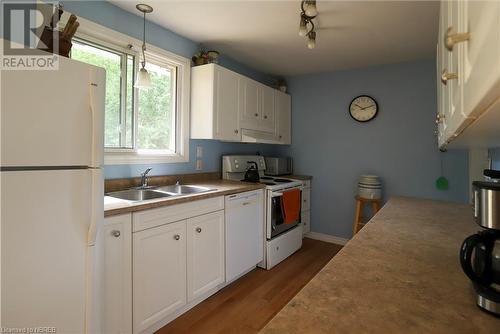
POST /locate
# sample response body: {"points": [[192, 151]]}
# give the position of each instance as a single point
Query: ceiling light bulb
{"points": [[311, 41], [310, 8], [302, 27]]}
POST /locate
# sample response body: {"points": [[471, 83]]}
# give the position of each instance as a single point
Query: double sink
{"points": [[144, 194]]}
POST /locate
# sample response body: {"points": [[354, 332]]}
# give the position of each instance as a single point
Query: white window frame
{"points": [[99, 34]]}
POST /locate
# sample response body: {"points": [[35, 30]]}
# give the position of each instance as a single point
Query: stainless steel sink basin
{"points": [[183, 189], [138, 194]]}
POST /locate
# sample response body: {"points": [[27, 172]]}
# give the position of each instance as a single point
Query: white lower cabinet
{"points": [[116, 259], [178, 259], [159, 279], [205, 253], [306, 207]]}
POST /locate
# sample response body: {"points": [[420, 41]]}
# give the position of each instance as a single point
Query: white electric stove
{"points": [[281, 240]]}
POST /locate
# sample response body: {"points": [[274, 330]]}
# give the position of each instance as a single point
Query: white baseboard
{"points": [[326, 238]]}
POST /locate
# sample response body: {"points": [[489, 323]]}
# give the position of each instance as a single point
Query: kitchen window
{"points": [[141, 126]]}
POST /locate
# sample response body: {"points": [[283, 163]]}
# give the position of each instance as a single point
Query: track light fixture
{"points": [[306, 26]]}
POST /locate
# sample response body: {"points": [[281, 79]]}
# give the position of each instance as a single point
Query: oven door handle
{"points": [[276, 194]]}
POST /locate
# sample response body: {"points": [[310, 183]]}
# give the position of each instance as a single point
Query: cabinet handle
{"points": [[451, 39], [236, 131], [281, 136], [445, 76], [198, 229], [265, 116], [439, 118], [256, 114], [115, 233], [177, 237], [245, 203]]}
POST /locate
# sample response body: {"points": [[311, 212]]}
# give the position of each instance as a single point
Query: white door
{"points": [[205, 253], [116, 266], [159, 273], [227, 104], [267, 109], [244, 233], [45, 219], [482, 54], [284, 115], [48, 118], [250, 114]]}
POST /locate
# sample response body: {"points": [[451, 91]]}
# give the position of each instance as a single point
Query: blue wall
{"points": [[495, 158], [398, 145], [117, 19]]}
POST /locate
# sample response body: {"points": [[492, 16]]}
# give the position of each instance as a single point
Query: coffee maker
{"points": [[480, 252]]}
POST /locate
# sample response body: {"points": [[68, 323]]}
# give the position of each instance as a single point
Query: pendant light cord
{"points": [[144, 42]]}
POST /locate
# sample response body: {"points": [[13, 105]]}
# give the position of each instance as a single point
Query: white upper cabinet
{"points": [[468, 67], [223, 103], [284, 115], [215, 103], [250, 111], [268, 109]]}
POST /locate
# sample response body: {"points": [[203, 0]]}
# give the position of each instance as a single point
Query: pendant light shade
{"points": [[143, 80]]}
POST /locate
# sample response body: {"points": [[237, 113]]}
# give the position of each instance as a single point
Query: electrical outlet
{"points": [[199, 152], [199, 164]]}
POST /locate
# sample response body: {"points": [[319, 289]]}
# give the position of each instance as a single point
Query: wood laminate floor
{"points": [[248, 304]]}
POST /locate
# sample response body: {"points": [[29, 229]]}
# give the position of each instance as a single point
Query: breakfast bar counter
{"points": [[399, 274]]}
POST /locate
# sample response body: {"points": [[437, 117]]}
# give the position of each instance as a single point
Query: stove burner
{"points": [[282, 180]]}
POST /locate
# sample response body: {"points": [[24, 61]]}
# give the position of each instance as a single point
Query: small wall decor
{"points": [[363, 108], [203, 57]]}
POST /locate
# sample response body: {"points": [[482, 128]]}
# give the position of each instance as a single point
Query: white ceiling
{"points": [[264, 34]]}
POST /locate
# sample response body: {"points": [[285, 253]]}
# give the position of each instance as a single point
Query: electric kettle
{"points": [[480, 252]]}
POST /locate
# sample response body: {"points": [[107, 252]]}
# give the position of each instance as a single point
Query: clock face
{"points": [[363, 108]]}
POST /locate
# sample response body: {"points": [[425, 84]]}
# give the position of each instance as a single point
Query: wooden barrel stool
{"points": [[358, 217]]}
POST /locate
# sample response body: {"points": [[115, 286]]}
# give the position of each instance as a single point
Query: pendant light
{"points": [[143, 81]]}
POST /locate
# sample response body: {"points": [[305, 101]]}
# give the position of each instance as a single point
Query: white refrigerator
{"points": [[51, 195]]}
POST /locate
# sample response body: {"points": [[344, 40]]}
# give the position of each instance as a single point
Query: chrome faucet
{"points": [[178, 183], [144, 178]]}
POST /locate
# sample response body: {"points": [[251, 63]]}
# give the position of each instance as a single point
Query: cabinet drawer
{"points": [[156, 217], [306, 199]]}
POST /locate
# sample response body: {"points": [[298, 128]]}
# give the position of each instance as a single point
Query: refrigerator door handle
{"points": [[97, 215], [97, 100]]}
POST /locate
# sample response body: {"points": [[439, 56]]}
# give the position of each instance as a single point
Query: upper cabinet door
{"points": [[284, 115], [250, 116], [267, 95], [227, 104], [482, 54]]}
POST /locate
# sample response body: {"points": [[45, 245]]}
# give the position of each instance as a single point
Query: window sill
{"points": [[134, 158]]}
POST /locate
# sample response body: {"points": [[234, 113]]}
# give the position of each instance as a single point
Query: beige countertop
{"points": [[114, 206], [400, 274]]}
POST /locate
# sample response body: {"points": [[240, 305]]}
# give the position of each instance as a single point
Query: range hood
{"points": [[254, 136]]}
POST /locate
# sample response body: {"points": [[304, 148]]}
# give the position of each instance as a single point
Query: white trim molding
{"points": [[94, 32], [326, 238]]}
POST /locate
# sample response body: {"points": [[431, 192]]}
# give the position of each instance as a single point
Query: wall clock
{"points": [[363, 108]]}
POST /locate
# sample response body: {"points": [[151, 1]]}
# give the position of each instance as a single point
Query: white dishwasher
{"points": [[244, 232]]}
